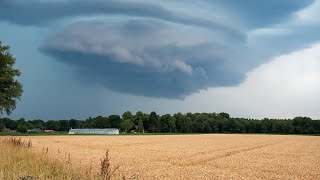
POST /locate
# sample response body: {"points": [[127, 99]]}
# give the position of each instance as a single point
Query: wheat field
{"points": [[213, 156]]}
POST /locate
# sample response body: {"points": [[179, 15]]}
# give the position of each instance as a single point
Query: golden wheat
{"points": [[18, 162], [194, 156]]}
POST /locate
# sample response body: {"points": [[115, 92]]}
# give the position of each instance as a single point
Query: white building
{"points": [[109, 131]]}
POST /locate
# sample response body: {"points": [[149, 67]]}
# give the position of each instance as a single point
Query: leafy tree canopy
{"points": [[10, 88]]}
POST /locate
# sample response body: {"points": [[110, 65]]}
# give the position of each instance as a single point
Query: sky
{"points": [[249, 58]]}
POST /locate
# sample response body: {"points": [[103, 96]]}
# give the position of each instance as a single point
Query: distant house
{"points": [[7, 130], [108, 131], [48, 131], [34, 130]]}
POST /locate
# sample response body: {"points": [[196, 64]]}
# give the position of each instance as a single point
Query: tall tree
{"points": [[10, 88], [37, 123], [74, 123], [52, 125], [139, 115], [127, 122], [168, 123], [154, 123], [127, 116], [140, 126], [126, 125], [114, 121], [100, 122], [64, 125], [138, 119], [2, 125], [225, 115], [181, 122]]}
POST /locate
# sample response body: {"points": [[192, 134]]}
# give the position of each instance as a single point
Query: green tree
{"points": [[64, 125], [88, 123], [127, 116], [225, 115], [127, 122], [22, 128], [37, 123], [172, 124], [168, 123], [114, 121], [201, 123], [164, 122], [52, 125], [302, 125], [9, 123], [100, 122], [139, 119], [2, 126], [139, 116], [181, 122], [10, 88], [73, 123], [154, 123], [126, 125], [140, 126]]}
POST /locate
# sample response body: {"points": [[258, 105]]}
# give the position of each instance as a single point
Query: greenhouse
{"points": [[108, 131]]}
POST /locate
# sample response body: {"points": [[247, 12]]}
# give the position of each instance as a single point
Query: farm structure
{"points": [[108, 131]]}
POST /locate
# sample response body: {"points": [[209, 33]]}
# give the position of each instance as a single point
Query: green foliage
{"points": [[127, 116], [127, 121], [37, 123], [140, 126], [22, 128], [177, 123], [225, 115], [73, 123], [182, 123], [8, 123], [139, 116], [100, 122], [115, 121], [154, 123], [52, 125], [303, 125], [10, 88], [168, 123], [126, 125], [139, 119], [2, 125], [64, 125]]}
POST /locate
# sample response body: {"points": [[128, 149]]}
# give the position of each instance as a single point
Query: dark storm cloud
{"points": [[257, 13], [44, 12], [149, 58], [161, 48]]}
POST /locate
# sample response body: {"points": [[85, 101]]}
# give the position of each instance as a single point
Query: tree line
{"points": [[177, 123]]}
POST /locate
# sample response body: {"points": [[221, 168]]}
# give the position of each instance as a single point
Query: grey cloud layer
{"points": [[256, 13], [41, 13], [143, 57], [159, 50]]}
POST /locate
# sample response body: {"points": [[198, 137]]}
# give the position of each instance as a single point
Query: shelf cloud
{"points": [[166, 49]]}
